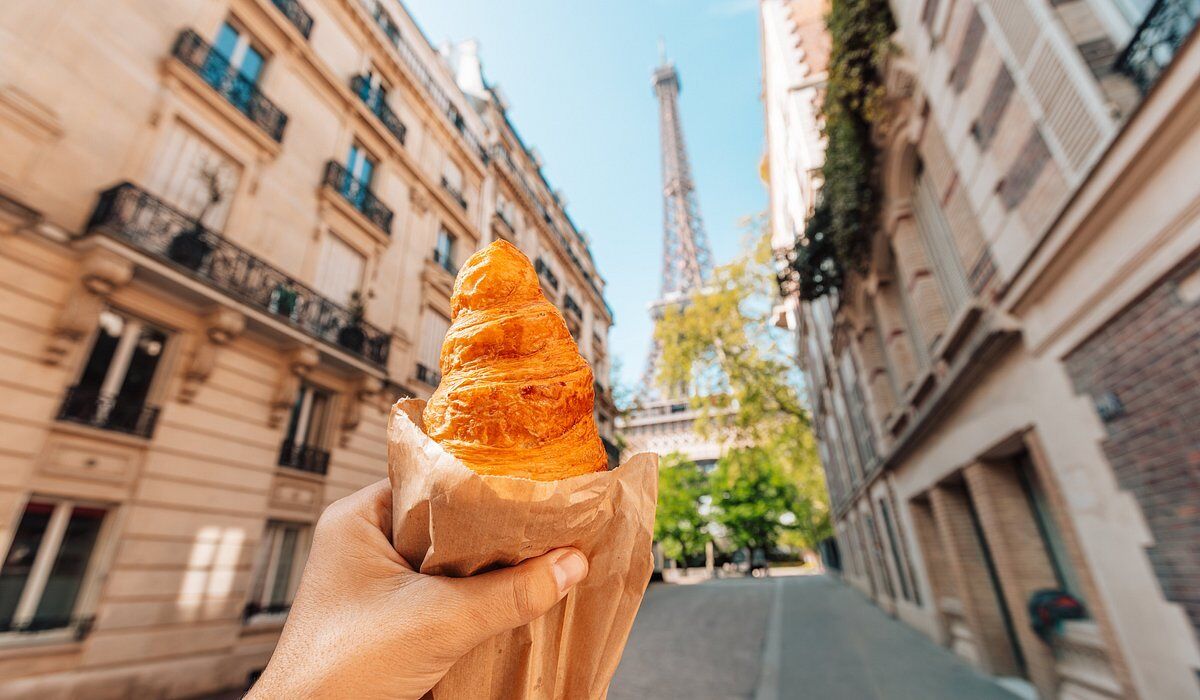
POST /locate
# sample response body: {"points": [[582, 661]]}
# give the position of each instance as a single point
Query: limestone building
{"points": [[228, 233], [1007, 395]]}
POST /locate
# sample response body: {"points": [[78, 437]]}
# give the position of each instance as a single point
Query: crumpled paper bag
{"points": [[449, 521]]}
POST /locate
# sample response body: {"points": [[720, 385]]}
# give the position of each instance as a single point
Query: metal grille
{"points": [[133, 216], [359, 195], [297, 15], [306, 458], [214, 69], [1168, 24], [117, 413], [373, 98]]}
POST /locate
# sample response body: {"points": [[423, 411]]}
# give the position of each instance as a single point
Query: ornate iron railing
{"points": [[306, 458], [414, 64], [455, 193], [373, 98], [297, 15], [133, 216], [428, 375], [253, 609], [359, 195], [214, 69], [1168, 24], [88, 406]]}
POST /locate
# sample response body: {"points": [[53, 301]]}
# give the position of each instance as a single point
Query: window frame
{"points": [[266, 570], [306, 422], [89, 587]]}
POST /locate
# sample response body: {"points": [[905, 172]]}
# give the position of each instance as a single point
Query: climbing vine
{"points": [[839, 232]]}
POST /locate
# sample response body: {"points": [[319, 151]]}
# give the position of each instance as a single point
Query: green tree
{"points": [[723, 341], [679, 525], [753, 500]]}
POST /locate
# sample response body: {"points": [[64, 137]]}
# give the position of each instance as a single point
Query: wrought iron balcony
{"points": [[455, 193], [88, 406], [306, 458], [132, 216], [297, 15], [374, 99], [427, 375], [1168, 24], [214, 69], [359, 195]]}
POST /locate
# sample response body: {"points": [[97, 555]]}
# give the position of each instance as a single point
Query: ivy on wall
{"points": [[838, 234]]}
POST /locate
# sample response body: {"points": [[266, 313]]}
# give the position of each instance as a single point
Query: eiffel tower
{"points": [[662, 420]]}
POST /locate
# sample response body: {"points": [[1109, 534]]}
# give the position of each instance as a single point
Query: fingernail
{"points": [[569, 569]]}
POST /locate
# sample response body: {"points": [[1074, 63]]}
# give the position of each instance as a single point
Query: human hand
{"points": [[365, 625]]}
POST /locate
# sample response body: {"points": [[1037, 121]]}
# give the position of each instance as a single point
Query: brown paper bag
{"points": [[449, 521]]}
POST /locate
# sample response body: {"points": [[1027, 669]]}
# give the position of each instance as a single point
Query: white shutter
{"points": [[340, 271], [178, 175], [433, 332]]}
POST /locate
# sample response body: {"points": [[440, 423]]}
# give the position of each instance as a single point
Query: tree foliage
{"points": [[680, 527], [837, 236], [724, 341], [753, 502]]}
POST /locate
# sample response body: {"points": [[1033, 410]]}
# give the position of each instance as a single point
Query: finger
{"points": [[501, 600], [366, 515]]}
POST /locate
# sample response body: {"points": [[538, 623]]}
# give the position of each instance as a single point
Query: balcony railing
{"points": [[117, 413], [359, 195], [306, 458], [428, 375], [131, 215], [254, 609], [297, 15], [455, 193], [240, 92], [1153, 47], [444, 261], [373, 98]]}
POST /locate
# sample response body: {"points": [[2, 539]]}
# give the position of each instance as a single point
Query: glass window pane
{"points": [[283, 568], [109, 332], [317, 420], [70, 567], [252, 63], [142, 364], [294, 418], [227, 40], [21, 554]]}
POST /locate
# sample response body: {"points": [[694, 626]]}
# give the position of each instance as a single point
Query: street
{"points": [[784, 637]]}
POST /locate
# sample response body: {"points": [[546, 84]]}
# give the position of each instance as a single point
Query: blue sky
{"points": [[577, 78]]}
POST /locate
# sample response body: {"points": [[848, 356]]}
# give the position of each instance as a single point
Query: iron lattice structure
{"points": [[687, 260]]}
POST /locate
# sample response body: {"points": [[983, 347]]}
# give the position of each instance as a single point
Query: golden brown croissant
{"points": [[516, 397]]}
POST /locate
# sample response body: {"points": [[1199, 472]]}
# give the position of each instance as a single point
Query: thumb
{"points": [[506, 598]]}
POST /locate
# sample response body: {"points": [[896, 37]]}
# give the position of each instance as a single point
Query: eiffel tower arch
{"points": [[663, 419]]}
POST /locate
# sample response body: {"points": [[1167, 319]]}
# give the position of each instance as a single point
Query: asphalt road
{"points": [[785, 637]]}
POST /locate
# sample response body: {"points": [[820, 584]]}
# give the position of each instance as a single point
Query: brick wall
{"points": [[1143, 371]]}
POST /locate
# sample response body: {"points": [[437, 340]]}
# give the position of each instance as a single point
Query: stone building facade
{"points": [[228, 234], [1007, 395]]}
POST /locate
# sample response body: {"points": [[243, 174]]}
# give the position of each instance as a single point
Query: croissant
{"points": [[516, 397]]}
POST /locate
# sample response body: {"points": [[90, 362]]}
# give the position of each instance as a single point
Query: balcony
{"points": [[244, 95], [117, 413], [297, 15], [572, 306], [455, 193], [443, 261], [428, 376], [544, 272], [1168, 24], [138, 219], [306, 458], [373, 98], [359, 195]]}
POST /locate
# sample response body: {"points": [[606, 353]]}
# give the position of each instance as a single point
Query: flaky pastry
{"points": [[516, 397]]}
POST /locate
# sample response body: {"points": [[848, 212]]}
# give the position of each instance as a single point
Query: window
{"points": [[546, 274], [374, 91], [48, 564], [1052, 540], [939, 244], [433, 331], [864, 436], [340, 272], [360, 167], [281, 560], [894, 546], [189, 172], [117, 378], [443, 251], [452, 182], [305, 446], [235, 58]]}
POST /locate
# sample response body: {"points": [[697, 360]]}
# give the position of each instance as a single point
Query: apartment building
{"points": [[228, 235], [1006, 394]]}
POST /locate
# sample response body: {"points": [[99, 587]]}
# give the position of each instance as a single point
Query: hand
{"points": [[365, 625]]}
